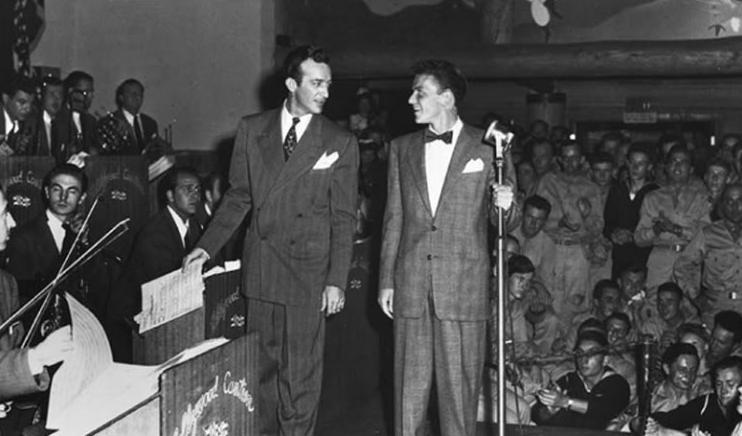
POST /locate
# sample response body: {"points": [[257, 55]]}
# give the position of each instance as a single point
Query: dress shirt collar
{"points": [[129, 116], [10, 124], [455, 130], [180, 223], [207, 209], [47, 117], [287, 121], [57, 229]]}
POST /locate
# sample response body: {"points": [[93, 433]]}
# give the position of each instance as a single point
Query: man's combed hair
{"points": [[445, 73], [537, 202], [292, 64], [68, 170], [76, 77], [19, 83]]}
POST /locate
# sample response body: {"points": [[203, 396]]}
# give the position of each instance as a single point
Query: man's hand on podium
{"points": [[55, 348], [195, 259]]}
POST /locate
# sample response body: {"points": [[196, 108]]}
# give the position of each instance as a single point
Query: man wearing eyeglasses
{"points": [[158, 249], [76, 127]]}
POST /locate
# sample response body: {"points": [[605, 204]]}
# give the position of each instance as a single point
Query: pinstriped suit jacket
{"points": [[300, 235], [447, 248]]}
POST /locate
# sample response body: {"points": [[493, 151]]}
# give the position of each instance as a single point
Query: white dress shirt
{"points": [[437, 158], [55, 226], [287, 120], [48, 126], [180, 223], [10, 124], [76, 121]]}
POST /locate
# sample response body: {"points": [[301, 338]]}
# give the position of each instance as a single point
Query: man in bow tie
{"points": [[296, 172], [435, 262]]}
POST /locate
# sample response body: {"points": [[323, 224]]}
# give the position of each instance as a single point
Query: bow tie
{"points": [[446, 137]]}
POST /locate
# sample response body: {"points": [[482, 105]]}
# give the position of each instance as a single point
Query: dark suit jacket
{"points": [[67, 142], [452, 245], [158, 250], [149, 129], [33, 258], [9, 303], [300, 236]]}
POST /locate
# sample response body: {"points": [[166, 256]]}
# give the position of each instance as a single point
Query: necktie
{"points": [[446, 137], [69, 238], [138, 132], [290, 142], [191, 236]]}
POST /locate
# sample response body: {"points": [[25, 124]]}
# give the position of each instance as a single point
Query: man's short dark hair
{"points": [[731, 321], [643, 148], [124, 84], [519, 264], [537, 202], [592, 335], [634, 268], [601, 157], [76, 77], [572, 143], [719, 162], [670, 287], [676, 350], [591, 324], [446, 74], [621, 317], [170, 181], [292, 63], [19, 82], [679, 148], [47, 81], [68, 170], [693, 329], [729, 362], [602, 285]]}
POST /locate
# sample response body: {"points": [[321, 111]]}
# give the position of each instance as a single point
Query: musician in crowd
{"points": [[159, 248], [589, 397], [37, 249], [711, 261], [52, 99], [76, 127], [714, 413], [17, 106], [134, 130]]}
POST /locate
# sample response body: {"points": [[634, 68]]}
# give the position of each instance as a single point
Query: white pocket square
{"points": [[326, 160], [473, 166]]}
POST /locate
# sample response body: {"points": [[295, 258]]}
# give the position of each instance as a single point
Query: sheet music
{"points": [[170, 296]]}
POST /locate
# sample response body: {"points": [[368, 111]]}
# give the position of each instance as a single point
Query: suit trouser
{"points": [[452, 353], [290, 366]]}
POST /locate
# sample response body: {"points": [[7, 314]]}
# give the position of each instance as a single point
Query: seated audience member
{"points": [[45, 129], [621, 214], [9, 301], [717, 175], [534, 242], [526, 179], [37, 249], [159, 248], [621, 358], [681, 383], [696, 335], [711, 261], [725, 336], [75, 126], [589, 397], [599, 247], [17, 108], [605, 302], [136, 130], [669, 317], [714, 413], [670, 216]]}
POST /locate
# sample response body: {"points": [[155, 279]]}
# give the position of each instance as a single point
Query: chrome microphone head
{"points": [[500, 136]]}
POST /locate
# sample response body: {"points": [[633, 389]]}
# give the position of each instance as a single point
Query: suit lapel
{"points": [[269, 144], [461, 155], [307, 151], [174, 234], [415, 157]]}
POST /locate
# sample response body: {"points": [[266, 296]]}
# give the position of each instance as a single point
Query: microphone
{"points": [[499, 135]]}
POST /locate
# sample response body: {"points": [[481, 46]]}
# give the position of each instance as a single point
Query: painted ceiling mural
{"points": [[453, 22]]}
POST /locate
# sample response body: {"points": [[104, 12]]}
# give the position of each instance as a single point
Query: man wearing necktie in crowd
{"points": [[296, 172], [435, 261]]}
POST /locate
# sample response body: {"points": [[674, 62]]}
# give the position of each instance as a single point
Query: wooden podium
{"points": [[213, 393], [222, 315]]}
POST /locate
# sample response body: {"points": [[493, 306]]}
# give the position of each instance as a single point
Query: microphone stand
{"points": [[496, 137]]}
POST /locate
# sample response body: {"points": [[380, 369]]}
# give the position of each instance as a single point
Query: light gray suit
{"points": [[438, 264]]}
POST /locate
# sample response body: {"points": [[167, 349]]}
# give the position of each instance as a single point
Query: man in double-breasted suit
{"points": [[296, 172], [435, 262]]}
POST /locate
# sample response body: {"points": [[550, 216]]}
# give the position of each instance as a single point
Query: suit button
{"points": [[430, 257], [433, 228]]}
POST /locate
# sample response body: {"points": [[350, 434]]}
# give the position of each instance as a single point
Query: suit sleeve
{"points": [[343, 205], [237, 201], [392, 230], [15, 375]]}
